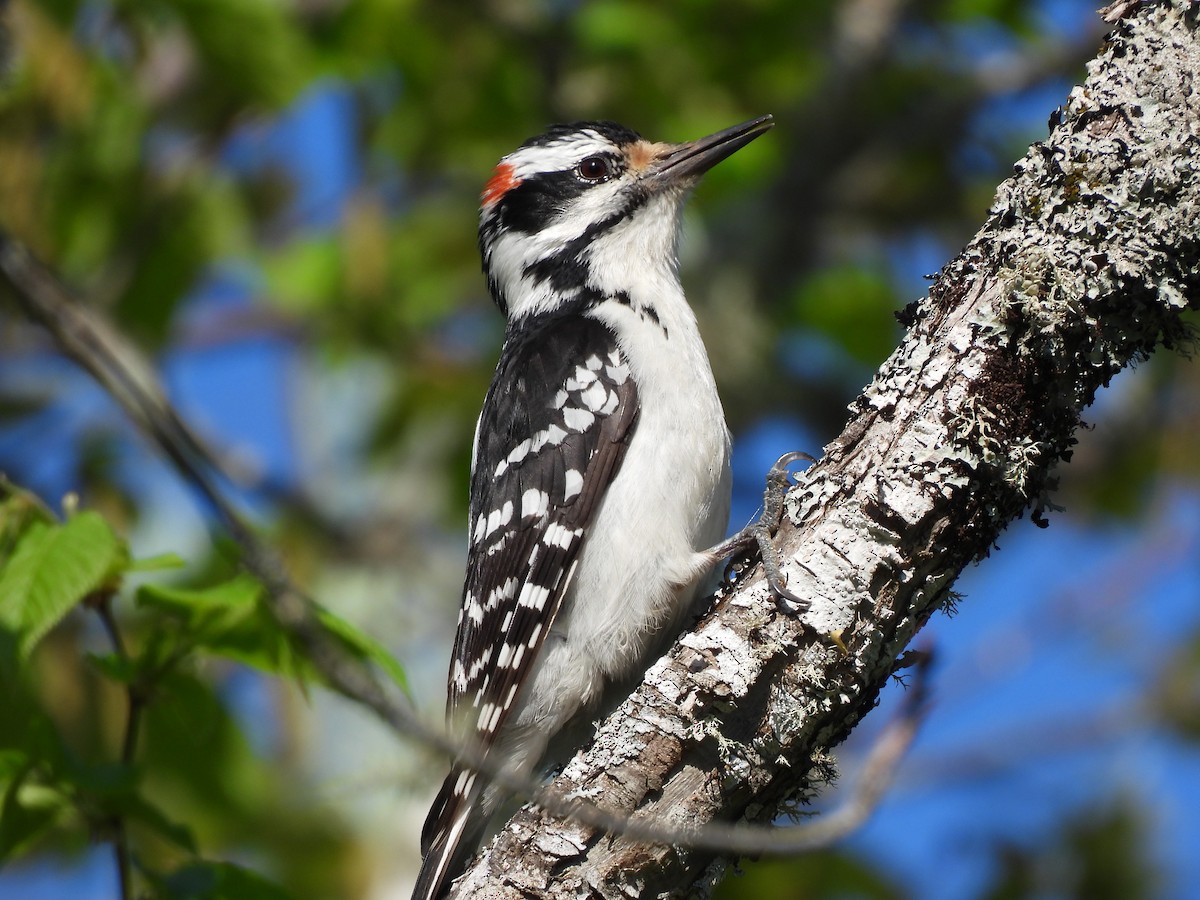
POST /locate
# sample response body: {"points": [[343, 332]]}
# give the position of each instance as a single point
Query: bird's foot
{"points": [[759, 535]]}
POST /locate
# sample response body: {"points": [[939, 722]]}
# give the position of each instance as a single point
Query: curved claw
{"points": [[773, 499], [781, 464], [775, 576], [777, 483], [761, 532]]}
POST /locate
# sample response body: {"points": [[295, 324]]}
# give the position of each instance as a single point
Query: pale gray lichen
{"points": [[1097, 213], [1021, 459]]}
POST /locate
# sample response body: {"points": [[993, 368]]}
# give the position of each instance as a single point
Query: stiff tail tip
{"points": [[446, 838]]}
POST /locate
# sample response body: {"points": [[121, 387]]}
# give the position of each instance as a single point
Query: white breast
{"points": [[640, 563], [669, 501]]}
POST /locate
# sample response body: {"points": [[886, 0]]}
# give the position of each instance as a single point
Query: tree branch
{"points": [[1086, 262]]}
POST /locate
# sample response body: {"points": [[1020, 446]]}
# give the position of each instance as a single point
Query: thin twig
{"points": [[873, 781], [103, 607]]}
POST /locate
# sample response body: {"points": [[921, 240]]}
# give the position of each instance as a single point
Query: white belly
{"points": [[641, 562]]}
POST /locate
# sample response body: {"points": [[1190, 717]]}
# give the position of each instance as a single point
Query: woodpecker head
{"points": [[583, 208]]}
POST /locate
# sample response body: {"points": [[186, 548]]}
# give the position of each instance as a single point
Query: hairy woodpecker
{"points": [[600, 478]]}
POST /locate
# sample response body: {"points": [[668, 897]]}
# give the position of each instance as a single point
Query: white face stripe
{"points": [[558, 155]]}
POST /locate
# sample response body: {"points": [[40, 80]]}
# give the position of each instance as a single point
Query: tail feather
{"points": [[450, 833], [459, 818]]}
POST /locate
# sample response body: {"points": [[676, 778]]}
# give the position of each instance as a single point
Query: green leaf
{"points": [[134, 807], [227, 602], [363, 646], [226, 619], [159, 563], [113, 789], [27, 811], [114, 666], [231, 620], [51, 569]]}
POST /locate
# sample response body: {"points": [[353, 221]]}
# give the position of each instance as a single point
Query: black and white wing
{"points": [[553, 432]]}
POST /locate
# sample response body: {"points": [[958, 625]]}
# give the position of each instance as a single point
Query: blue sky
{"points": [[1043, 709]]}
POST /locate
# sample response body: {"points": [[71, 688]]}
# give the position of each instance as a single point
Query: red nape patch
{"points": [[501, 183]]}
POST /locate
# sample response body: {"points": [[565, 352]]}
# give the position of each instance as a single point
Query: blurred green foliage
{"points": [[63, 775], [116, 122], [1100, 855], [819, 875]]}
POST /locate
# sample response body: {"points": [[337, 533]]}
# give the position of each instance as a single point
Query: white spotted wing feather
{"points": [[553, 433]]}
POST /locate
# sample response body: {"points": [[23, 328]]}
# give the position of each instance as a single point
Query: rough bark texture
{"points": [[1085, 264]]}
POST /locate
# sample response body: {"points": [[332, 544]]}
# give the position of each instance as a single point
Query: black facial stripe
{"points": [[649, 313], [566, 270], [539, 199]]}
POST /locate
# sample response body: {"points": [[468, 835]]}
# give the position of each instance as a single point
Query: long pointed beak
{"points": [[684, 163]]}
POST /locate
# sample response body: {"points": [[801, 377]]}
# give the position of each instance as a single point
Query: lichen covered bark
{"points": [[1088, 258]]}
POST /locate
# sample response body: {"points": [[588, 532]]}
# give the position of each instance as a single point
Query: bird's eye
{"points": [[594, 168]]}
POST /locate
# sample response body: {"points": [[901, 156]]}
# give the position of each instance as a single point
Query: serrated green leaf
{"points": [[201, 606], [231, 620], [51, 569], [226, 619]]}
